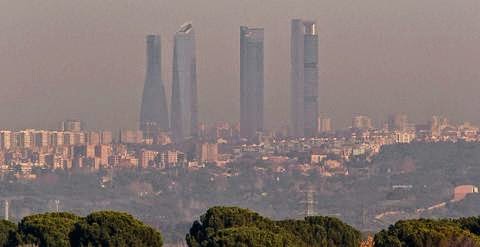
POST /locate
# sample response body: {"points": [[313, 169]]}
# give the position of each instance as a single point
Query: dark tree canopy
{"points": [[105, 229], [428, 233], [471, 224], [232, 226], [49, 229], [108, 228], [7, 228], [323, 231]]}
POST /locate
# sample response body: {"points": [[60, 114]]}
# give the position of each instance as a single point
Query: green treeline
{"points": [[104, 228], [6, 228], [232, 226], [463, 232]]}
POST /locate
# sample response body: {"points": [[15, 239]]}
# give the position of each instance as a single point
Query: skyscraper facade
{"points": [[154, 111], [184, 87], [251, 81], [304, 76]]}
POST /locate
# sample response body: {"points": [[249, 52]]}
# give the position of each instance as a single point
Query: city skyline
{"points": [[309, 122], [89, 65]]}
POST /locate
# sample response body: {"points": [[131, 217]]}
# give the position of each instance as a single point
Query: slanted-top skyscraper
{"points": [[184, 86], [154, 111], [304, 72], [251, 81]]}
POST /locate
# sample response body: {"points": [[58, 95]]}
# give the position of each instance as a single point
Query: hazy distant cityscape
{"points": [[160, 140], [72, 147], [169, 138], [172, 167]]}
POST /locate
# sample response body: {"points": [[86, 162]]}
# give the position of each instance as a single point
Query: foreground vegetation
{"points": [[463, 232], [106, 228], [233, 227]]}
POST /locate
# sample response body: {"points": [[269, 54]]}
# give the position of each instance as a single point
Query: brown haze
{"points": [[85, 59]]}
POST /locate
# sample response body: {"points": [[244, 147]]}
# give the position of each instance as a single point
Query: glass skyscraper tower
{"points": [[184, 87], [154, 111], [251, 81], [304, 76]]}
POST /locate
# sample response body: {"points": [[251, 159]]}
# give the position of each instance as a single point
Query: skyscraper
{"points": [[154, 111], [251, 81], [304, 73], [184, 86]]}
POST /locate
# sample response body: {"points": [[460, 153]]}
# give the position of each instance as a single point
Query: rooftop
{"points": [[186, 28]]}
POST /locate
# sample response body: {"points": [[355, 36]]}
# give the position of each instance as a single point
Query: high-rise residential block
{"points": [[184, 87], [251, 81], [207, 152], [362, 122], [324, 124], [106, 137], [41, 138], [6, 139], [93, 138], [130, 136], [72, 125], [398, 122], [304, 76]]}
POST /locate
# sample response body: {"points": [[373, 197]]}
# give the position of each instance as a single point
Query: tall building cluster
{"points": [[183, 124], [154, 115]]}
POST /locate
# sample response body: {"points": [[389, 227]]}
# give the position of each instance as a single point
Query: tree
{"points": [[232, 226], [471, 224], [251, 237], [49, 229], [426, 233], [108, 228], [7, 228], [323, 231]]}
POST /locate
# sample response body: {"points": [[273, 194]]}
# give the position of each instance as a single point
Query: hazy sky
{"points": [[86, 59]]}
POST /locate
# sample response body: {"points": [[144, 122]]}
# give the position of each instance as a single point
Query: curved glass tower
{"points": [[184, 86], [154, 111]]}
